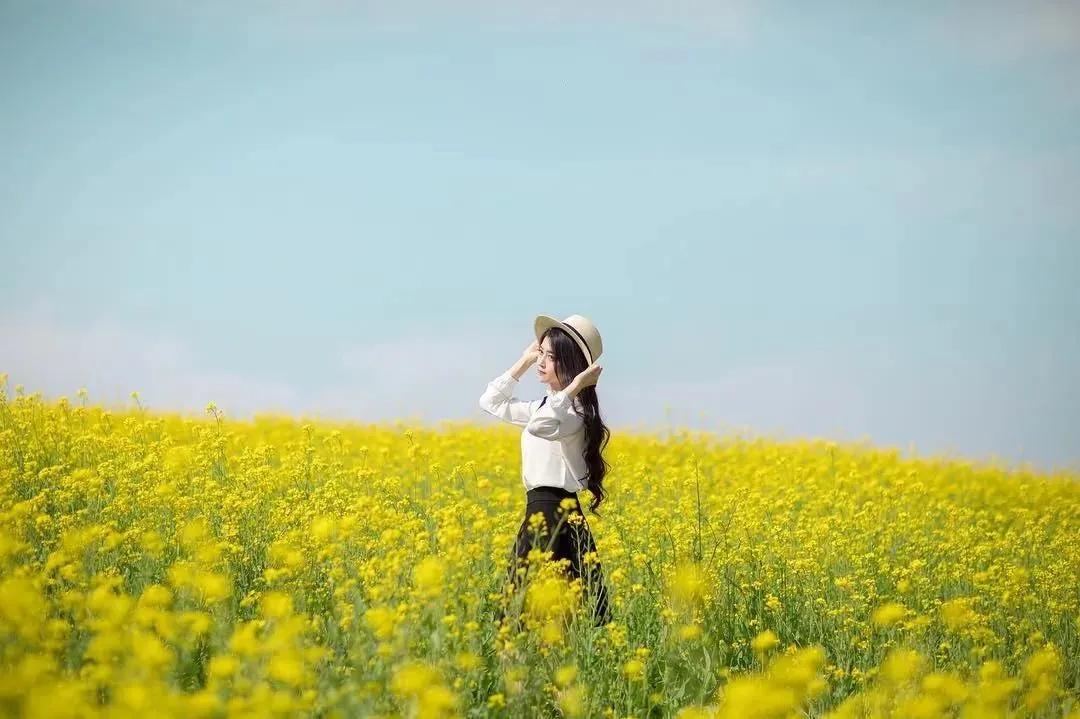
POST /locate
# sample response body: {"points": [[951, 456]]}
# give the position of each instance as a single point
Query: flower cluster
{"points": [[157, 564]]}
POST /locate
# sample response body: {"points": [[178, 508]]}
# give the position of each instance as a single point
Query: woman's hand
{"points": [[531, 354], [587, 378]]}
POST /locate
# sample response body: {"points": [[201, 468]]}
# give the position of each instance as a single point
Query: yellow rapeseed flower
{"points": [[381, 621], [549, 598], [428, 577], [467, 661], [689, 632], [888, 614], [687, 586], [276, 605], [949, 687], [223, 666], [123, 535], [634, 669], [958, 613], [755, 697], [902, 665], [564, 675], [572, 701], [286, 667], [765, 641]]}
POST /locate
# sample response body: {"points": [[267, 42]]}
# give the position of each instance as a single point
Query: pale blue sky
{"points": [[840, 221]]}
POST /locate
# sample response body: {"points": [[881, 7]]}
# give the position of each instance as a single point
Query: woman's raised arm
{"points": [[498, 398]]}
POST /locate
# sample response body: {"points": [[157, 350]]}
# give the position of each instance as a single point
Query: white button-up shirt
{"points": [[553, 438]]}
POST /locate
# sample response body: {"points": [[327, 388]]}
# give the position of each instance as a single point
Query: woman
{"points": [[561, 446]]}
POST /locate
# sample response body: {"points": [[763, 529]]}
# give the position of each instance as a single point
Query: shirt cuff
{"points": [[504, 381]]}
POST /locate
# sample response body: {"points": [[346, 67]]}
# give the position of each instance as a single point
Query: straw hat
{"points": [[580, 328]]}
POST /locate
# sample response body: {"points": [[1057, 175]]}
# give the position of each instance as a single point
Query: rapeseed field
{"points": [[159, 565]]}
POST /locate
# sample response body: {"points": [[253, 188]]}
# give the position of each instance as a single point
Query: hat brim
{"points": [[543, 323]]}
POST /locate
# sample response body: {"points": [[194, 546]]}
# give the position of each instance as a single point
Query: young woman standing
{"points": [[561, 446]]}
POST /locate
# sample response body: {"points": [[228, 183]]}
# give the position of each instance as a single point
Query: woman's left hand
{"points": [[589, 377]]}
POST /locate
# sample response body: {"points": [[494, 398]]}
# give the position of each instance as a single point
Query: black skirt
{"points": [[566, 540]]}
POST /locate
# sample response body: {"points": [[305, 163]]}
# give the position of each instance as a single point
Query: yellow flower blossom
{"points": [[888, 614], [765, 641], [428, 577], [368, 562]]}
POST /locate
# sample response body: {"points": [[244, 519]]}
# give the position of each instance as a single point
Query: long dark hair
{"points": [[570, 361]]}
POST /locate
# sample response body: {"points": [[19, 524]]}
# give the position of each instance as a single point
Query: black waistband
{"points": [[544, 492]]}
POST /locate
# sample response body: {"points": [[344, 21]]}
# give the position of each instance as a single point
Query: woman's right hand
{"points": [[532, 352]]}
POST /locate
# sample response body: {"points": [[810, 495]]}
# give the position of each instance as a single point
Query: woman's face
{"points": [[545, 366]]}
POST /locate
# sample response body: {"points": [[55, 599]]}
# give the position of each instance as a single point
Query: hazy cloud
{"points": [[956, 406], [111, 361], [966, 408], [728, 19], [1009, 32]]}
